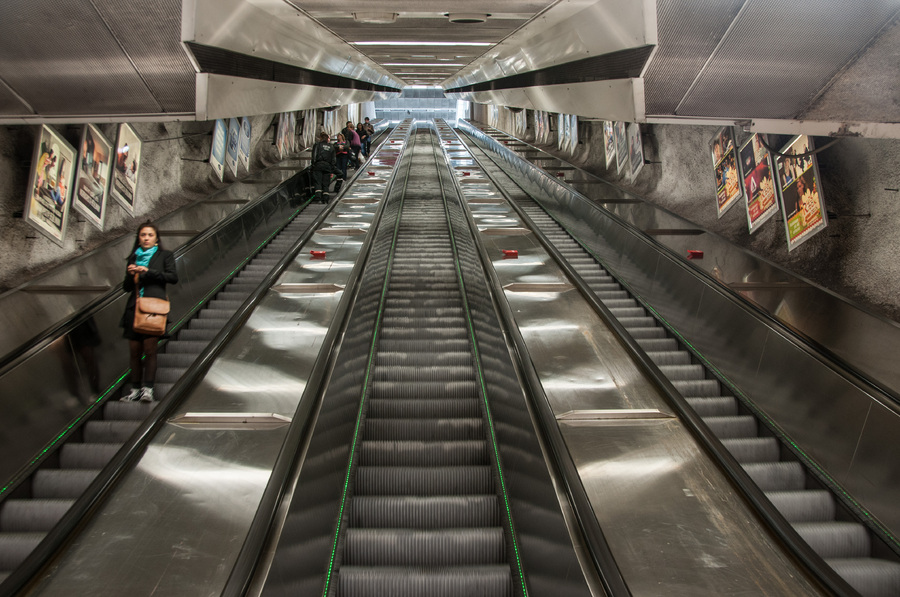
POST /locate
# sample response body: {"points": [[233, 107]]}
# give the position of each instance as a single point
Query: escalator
{"points": [[837, 534]]}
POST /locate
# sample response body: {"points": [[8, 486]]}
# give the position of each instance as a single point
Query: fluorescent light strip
{"points": [[422, 43], [419, 64]]}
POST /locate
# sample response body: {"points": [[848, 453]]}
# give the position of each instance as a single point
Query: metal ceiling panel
{"points": [[153, 45], [777, 56], [10, 103], [60, 55], [689, 31]]}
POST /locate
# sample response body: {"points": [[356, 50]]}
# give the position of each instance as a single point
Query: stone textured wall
{"points": [[855, 256], [173, 173]]}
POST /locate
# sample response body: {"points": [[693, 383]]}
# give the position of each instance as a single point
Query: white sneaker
{"points": [[147, 395], [132, 396]]}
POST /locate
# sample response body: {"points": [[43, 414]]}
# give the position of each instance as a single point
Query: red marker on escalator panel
{"points": [[317, 254], [694, 254], [510, 254]]}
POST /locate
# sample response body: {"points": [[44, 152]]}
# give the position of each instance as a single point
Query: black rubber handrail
{"points": [[133, 448], [808, 345], [567, 473], [302, 423], [812, 561]]}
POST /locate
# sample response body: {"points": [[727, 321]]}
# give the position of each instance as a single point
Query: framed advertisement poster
{"points": [[724, 157], [92, 180], [49, 186], [292, 131], [609, 142], [635, 149], [621, 148], [280, 135], [231, 152], [217, 151], [759, 183], [244, 151], [127, 167], [801, 194]]}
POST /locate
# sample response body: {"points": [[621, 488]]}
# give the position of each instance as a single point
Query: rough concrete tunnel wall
{"points": [[855, 256]]}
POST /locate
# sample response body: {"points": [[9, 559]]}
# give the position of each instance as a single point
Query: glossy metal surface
{"points": [[672, 519], [176, 522], [826, 413]]}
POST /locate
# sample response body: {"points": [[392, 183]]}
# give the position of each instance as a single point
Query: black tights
{"points": [[147, 372]]}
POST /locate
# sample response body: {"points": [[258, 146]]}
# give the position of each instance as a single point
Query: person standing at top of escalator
{"points": [[342, 152], [370, 134], [352, 138], [363, 140], [155, 268], [324, 164]]}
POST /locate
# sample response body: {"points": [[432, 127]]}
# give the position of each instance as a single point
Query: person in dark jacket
{"points": [[370, 134], [155, 268], [342, 151], [363, 140], [324, 164], [352, 138]]}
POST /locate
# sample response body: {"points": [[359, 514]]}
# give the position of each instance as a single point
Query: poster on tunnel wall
{"points": [[635, 150], [609, 142], [127, 167], [244, 153], [50, 183], [801, 194], [231, 151], [92, 181], [724, 158], [217, 151], [759, 184], [621, 148]]}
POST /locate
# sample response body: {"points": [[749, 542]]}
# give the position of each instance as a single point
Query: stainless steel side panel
{"points": [[827, 415]]}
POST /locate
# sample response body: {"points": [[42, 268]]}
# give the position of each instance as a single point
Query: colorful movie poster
{"points": [[231, 152], [801, 194], [292, 131], [127, 167], [217, 151], [609, 142], [621, 148], [635, 149], [724, 157], [244, 152], [92, 180], [759, 186], [52, 172], [280, 137]]}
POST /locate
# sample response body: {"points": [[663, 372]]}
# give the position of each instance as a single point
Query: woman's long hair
{"points": [[137, 237]]}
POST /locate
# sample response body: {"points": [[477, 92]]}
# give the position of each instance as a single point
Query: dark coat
{"points": [[323, 157], [160, 271]]}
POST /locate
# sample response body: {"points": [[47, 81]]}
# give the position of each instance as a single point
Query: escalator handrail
{"points": [[131, 451], [800, 549], [594, 538]]}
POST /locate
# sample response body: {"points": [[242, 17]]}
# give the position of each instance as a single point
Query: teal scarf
{"points": [[142, 258]]}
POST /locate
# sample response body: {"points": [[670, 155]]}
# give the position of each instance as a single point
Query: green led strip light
{"points": [[783, 436], [364, 392], [484, 393]]}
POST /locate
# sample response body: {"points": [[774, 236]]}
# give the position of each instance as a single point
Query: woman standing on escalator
{"points": [[155, 267]]}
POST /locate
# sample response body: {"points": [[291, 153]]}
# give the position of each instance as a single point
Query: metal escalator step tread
{"points": [[658, 344], [423, 453], [647, 333], [422, 389], [777, 476], [683, 372], [804, 506], [419, 345], [629, 313], [61, 484], [424, 429], [413, 547], [181, 346], [870, 577], [670, 357], [196, 335], [471, 581], [170, 374], [424, 407], [416, 512], [32, 516], [611, 295], [208, 323], [836, 539], [424, 481], [415, 312], [637, 322], [441, 356], [714, 406], [732, 427], [15, 547], [753, 449], [412, 374], [86, 456], [176, 360], [109, 432], [390, 322], [116, 410], [697, 388], [437, 335], [623, 304]]}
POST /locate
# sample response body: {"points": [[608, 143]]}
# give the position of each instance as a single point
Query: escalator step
{"points": [[413, 547], [176, 360], [440, 335], [872, 578], [658, 344], [109, 432], [683, 372], [432, 373], [732, 427], [717, 406], [423, 359], [647, 333], [196, 335], [670, 358], [753, 449], [395, 452], [836, 539], [116, 410], [453, 409], [804, 506], [697, 388], [61, 484], [86, 456], [15, 547], [471, 581], [32, 516], [433, 389], [185, 346], [424, 481], [425, 512], [423, 429], [777, 476]]}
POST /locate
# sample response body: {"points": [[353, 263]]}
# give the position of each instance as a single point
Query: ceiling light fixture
{"points": [[375, 18], [422, 43], [467, 18], [418, 64]]}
